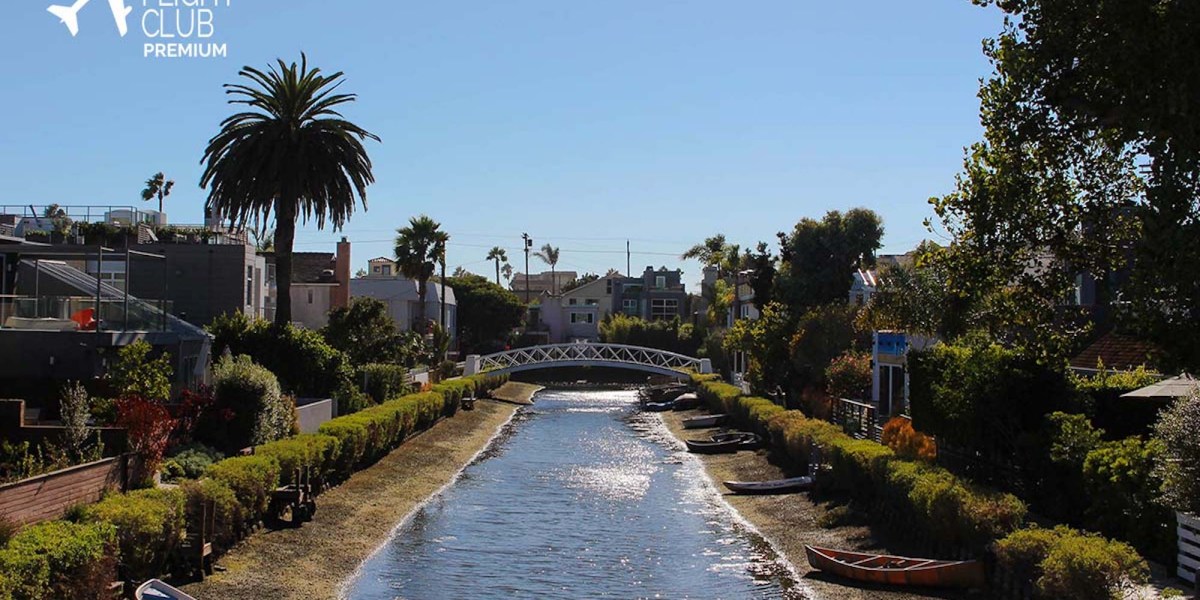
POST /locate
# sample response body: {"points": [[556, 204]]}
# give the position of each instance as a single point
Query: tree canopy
{"points": [[487, 313], [818, 258]]}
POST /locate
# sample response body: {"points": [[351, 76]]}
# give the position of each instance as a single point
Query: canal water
{"points": [[582, 496]]}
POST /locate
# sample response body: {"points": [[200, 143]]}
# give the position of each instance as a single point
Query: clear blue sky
{"points": [[581, 123]]}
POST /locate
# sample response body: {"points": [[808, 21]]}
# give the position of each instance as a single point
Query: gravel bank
{"points": [[790, 521], [515, 392], [353, 519]]}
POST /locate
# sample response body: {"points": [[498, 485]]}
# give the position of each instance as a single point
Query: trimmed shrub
{"points": [[251, 392], [1068, 564], [304, 362], [227, 512], [906, 442], [1122, 490], [384, 382], [150, 524], [1180, 473], [58, 559], [194, 459], [252, 479], [314, 450]]}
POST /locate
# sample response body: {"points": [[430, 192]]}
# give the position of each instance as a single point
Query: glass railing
{"points": [[78, 313]]}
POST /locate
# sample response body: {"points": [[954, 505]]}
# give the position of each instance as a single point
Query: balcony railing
{"points": [[78, 313]]}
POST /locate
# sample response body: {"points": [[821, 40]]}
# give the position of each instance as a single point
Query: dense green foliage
{"points": [[226, 516], [306, 365], [190, 461], [1067, 564], [1123, 496], [288, 154], [58, 559], [382, 381], [252, 479], [136, 374], [366, 333], [818, 257], [149, 524], [261, 413], [672, 336], [487, 313], [849, 376]]}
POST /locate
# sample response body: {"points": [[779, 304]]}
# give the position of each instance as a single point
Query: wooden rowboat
{"points": [[157, 590], [778, 486], [686, 401], [657, 406], [723, 443], [703, 421], [897, 570]]}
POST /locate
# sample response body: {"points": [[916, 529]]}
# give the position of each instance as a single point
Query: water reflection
{"points": [[583, 497]]}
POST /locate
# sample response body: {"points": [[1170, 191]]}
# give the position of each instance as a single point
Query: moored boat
{"points": [[156, 589], [657, 406], [686, 401], [703, 421], [777, 486], [897, 570], [722, 443]]}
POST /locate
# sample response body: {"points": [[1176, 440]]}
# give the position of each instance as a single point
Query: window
{"points": [[660, 281], [608, 286], [664, 308], [271, 274], [629, 306], [746, 311], [591, 302], [578, 317], [572, 302], [249, 285], [310, 296]]}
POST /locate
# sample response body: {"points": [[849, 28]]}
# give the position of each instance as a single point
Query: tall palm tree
{"points": [[710, 252], [420, 247], [291, 152], [499, 255], [549, 255], [507, 269], [158, 186]]}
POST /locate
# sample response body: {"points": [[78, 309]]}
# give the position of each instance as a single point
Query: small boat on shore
{"points": [[156, 589], [723, 443], [777, 486], [897, 570], [657, 406], [686, 401], [703, 421]]}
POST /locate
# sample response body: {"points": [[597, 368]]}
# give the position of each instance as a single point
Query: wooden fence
{"points": [[48, 496], [1189, 547]]}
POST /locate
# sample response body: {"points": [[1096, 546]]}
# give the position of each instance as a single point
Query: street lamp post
{"points": [[528, 245]]}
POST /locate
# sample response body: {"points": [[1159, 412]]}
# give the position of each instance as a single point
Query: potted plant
{"points": [[1178, 428]]}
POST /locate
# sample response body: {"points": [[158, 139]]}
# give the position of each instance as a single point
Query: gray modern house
{"points": [[656, 295]]}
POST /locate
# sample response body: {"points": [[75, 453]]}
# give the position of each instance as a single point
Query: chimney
{"points": [[341, 274]]}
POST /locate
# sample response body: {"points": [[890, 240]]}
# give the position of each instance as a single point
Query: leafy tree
{"points": [[420, 247], [818, 258], [719, 297], [582, 280], [74, 411], [136, 374], [291, 153], [365, 332], [487, 313], [1180, 473], [500, 256], [913, 298], [157, 187], [672, 335], [762, 275], [821, 335], [549, 255], [766, 342], [849, 376]]}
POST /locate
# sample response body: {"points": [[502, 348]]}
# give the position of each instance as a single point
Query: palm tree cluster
{"points": [[291, 153]]}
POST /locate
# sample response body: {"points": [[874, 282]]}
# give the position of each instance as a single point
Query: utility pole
{"points": [[528, 245], [443, 253], [627, 262]]}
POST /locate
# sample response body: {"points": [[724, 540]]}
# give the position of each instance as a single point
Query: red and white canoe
{"points": [[897, 570]]}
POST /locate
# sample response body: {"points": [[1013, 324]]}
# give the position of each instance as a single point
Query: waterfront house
{"points": [[656, 295], [400, 295], [575, 315], [320, 284], [548, 282]]}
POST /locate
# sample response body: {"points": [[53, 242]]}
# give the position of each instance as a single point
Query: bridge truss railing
{"points": [[587, 354]]}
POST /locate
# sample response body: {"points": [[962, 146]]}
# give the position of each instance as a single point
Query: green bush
{"points": [[1122, 488], [383, 382], [1180, 473], [251, 393], [150, 524], [1068, 564], [194, 459], [306, 365], [58, 559], [227, 516], [252, 479], [313, 450]]}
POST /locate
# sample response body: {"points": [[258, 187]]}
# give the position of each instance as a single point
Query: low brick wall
{"points": [[48, 496]]}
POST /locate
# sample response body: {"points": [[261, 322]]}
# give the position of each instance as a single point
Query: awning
{"points": [[1175, 387]]}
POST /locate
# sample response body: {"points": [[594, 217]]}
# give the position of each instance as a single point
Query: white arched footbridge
{"points": [[617, 356]]}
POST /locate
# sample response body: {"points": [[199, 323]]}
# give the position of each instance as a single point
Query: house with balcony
{"points": [[656, 295], [575, 315], [400, 295]]}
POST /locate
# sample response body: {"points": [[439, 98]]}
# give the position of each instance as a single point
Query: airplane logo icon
{"points": [[69, 14]]}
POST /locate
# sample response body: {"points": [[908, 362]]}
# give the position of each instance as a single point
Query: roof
{"points": [[1175, 387], [579, 289], [398, 288], [1116, 351], [311, 267]]}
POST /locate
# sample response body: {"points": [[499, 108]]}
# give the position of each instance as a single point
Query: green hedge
{"points": [[953, 512], [149, 523], [382, 382], [228, 516], [1063, 563], [252, 479], [252, 394], [59, 559], [312, 450]]}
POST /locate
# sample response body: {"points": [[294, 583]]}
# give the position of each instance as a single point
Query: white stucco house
{"points": [[400, 296]]}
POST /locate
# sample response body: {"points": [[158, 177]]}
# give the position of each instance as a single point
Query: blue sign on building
{"points": [[892, 343]]}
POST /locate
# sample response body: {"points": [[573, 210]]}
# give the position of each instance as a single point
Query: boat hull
{"points": [[779, 486], [897, 570], [702, 422]]}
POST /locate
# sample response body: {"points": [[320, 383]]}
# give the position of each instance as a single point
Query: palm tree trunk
{"points": [[285, 235], [421, 283], [553, 281], [497, 271]]}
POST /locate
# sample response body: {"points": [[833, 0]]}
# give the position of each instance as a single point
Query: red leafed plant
{"points": [[194, 406], [149, 426]]}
